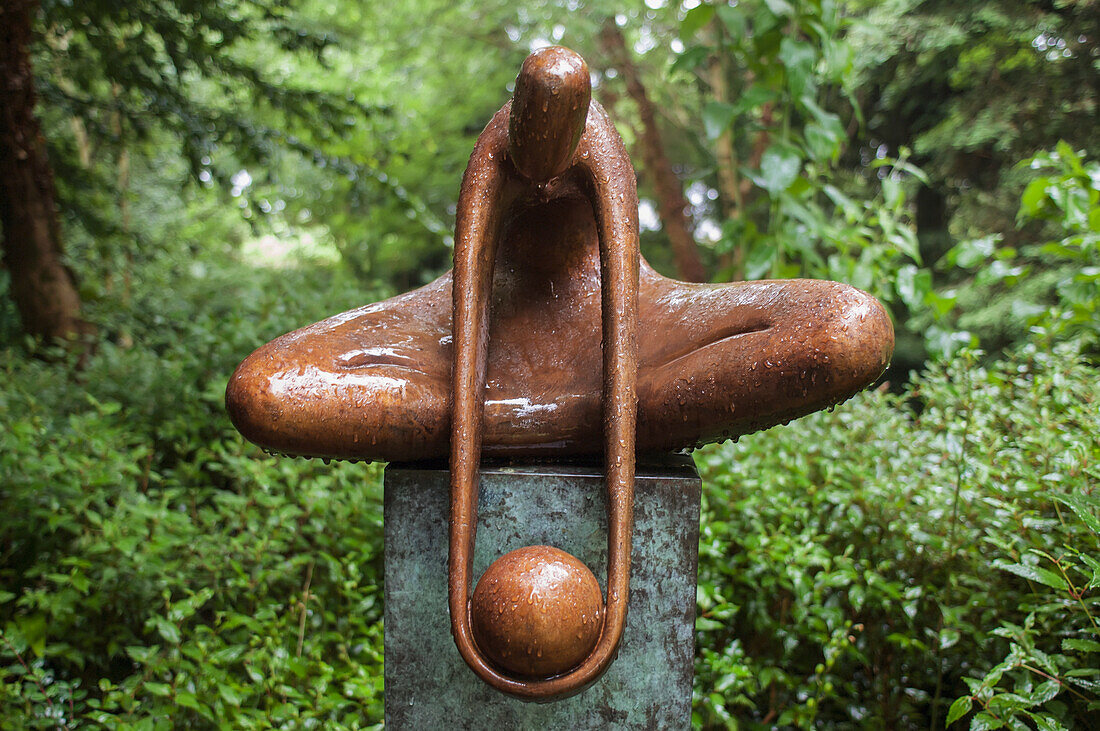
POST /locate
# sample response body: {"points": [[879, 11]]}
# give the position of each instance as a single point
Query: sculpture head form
{"points": [[549, 109]]}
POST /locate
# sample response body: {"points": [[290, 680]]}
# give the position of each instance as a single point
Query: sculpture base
{"points": [[562, 505]]}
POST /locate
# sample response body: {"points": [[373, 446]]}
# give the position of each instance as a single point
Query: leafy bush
{"points": [[1051, 284], [869, 566], [159, 572]]}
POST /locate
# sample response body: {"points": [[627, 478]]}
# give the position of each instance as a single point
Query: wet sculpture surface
{"points": [[552, 337]]}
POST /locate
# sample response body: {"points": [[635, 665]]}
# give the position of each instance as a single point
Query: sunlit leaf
{"points": [[1033, 573], [716, 118], [1083, 511], [779, 166], [695, 19]]}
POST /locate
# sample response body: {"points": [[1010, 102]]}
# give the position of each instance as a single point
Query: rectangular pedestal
{"points": [[648, 685]]}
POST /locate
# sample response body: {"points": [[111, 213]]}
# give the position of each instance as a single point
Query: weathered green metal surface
{"points": [[649, 686]]}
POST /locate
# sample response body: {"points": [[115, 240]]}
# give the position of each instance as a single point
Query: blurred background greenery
{"points": [[206, 176]]}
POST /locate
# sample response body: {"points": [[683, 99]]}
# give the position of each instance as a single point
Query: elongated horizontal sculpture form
{"points": [[552, 336]]}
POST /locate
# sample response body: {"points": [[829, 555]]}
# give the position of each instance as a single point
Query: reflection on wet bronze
{"points": [[552, 337]]}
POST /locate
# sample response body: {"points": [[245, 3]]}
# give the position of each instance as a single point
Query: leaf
{"points": [[1034, 197], [958, 709], [1006, 703], [941, 303], [704, 624], [717, 117], [691, 58], [1033, 573], [912, 284], [779, 167], [1069, 156], [161, 689], [779, 8], [733, 17], [695, 19], [1045, 692], [902, 165], [167, 630], [755, 96], [798, 57], [229, 694], [985, 722], [1046, 723], [1081, 645], [823, 143], [1092, 686], [183, 609], [140, 653], [795, 54], [971, 253], [1082, 510], [33, 629], [892, 192]]}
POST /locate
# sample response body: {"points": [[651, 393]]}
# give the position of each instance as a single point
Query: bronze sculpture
{"points": [[552, 336]]}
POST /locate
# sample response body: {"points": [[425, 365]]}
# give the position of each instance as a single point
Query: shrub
{"points": [[869, 566], [159, 572]]}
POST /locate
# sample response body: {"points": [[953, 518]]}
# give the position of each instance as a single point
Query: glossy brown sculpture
{"points": [[562, 341], [559, 149]]}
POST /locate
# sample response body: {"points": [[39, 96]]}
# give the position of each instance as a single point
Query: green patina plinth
{"points": [[562, 505]]}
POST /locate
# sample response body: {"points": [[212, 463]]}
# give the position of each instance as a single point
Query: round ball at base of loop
{"points": [[537, 612], [549, 110]]}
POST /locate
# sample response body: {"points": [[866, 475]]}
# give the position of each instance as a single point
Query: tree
{"points": [[201, 74], [42, 287], [671, 203], [973, 94]]}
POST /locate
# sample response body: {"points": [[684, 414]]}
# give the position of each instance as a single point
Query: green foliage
{"points": [[974, 92], [204, 72], [869, 566], [159, 572], [345, 121], [789, 68], [1050, 282], [1068, 196], [162, 573], [195, 90]]}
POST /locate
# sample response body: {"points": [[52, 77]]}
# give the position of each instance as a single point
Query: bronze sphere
{"points": [[537, 612]]}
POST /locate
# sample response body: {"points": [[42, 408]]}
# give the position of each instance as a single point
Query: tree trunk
{"points": [[729, 187], [933, 221], [42, 287], [671, 205]]}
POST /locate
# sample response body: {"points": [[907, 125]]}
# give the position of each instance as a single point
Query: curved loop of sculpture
{"points": [[528, 155], [553, 337]]}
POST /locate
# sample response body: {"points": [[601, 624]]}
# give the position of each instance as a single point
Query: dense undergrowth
{"points": [[871, 567], [874, 566], [157, 571]]}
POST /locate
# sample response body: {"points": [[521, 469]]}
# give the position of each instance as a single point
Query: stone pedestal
{"points": [[563, 505]]}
